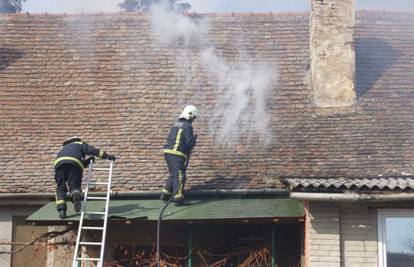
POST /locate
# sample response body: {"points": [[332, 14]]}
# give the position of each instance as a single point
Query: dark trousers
{"points": [[67, 175], [177, 167]]}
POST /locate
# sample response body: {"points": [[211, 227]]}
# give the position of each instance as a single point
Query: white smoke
{"points": [[242, 86], [171, 27]]}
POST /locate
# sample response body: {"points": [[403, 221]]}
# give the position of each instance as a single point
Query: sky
{"points": [[206, 6]]}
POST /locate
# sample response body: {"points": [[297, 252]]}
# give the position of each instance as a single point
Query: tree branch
{"points": [[44, 237]]}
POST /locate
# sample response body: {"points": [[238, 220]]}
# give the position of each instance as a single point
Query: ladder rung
{"points": [[95, 212], [88, 259], [92, 228], [91, 243], [97, 198], [101, 169]]}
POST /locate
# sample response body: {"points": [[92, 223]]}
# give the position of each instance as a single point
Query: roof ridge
{"points": [[209, 14], [382, 11]]}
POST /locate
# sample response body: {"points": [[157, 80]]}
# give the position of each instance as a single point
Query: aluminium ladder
{"points": [[77, 260]]}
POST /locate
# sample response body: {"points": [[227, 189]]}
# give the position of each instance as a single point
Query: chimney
{"points": [[332, 53]]}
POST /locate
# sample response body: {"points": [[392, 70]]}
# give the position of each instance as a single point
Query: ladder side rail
{"points": [[83, 207], [108, 194]]}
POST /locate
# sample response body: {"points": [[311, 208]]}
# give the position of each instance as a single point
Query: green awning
{"points": [[201, 209]]}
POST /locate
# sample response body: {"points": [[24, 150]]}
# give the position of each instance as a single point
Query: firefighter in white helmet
{"points": [[180, 143]]}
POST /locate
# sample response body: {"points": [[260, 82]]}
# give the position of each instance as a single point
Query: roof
{"points": [[101, 77], [198, 209], [358, 184]]}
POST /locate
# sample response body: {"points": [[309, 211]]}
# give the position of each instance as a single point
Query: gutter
{"points": [[146, 194], [352, 197]]}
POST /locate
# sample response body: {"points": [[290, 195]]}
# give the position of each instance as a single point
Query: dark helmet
{"points": [[71, 140]]}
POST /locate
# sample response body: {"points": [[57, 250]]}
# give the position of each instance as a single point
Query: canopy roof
{"points": [[197, 209]]}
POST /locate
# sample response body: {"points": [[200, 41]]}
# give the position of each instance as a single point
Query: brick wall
{"points": [[324, 235], [343, 235], [359, 235]]}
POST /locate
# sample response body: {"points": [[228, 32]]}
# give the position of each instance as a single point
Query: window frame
{"points": [[382, 231]]}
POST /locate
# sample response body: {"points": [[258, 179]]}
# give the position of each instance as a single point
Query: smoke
{"points": [[241, 86], [240, 112], [171, 27]]}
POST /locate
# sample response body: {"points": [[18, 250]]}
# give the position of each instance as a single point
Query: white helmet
{"points": [[189, 113]]}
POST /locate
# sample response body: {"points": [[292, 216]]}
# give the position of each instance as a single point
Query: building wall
{"points": [[324, 235], [6, 227], [343, 235], [61, 255], [359, 235]]}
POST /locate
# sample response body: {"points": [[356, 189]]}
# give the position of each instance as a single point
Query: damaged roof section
{"points": [[315, 184]]}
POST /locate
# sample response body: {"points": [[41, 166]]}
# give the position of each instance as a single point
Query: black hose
{"points": [[162, 211], [159, 225]]}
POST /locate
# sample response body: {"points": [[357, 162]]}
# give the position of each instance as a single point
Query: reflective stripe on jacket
{"points": [[74, 153], [180, 140]]}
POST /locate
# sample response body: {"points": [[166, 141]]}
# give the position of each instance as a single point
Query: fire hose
{"points": [[162, 212]]}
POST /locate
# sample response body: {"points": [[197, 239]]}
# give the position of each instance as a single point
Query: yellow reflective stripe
{"points": [[100, 153], [175, 152], [68, 158], [165, 191], [59, 201], [180, 184], [177, 139], [80, 143]]}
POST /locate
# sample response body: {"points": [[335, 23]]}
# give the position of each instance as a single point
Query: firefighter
{"points": [[180, 143], [69, 166]]}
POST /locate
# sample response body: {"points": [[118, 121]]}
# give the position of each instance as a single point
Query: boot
{"points": [[62, 214], [77, 198], [165, 197], [180, 202]]}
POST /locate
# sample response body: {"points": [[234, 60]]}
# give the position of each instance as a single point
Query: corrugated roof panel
{"points": [[375, 183]]}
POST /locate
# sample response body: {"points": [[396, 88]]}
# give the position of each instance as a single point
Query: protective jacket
{"points": [[180, 140], [75, 152]]}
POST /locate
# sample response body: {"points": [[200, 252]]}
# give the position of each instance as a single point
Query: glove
{"points": [[88, 161], [110, 157], [107, 156]]}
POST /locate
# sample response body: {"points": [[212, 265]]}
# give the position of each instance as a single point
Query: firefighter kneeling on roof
{"points": [[69, 166], [180, 143]]}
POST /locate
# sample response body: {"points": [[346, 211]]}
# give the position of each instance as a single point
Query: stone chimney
{"points": [[332, 52]]}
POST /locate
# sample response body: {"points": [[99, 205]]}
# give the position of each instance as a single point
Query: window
{"points": [[395, 237]]}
